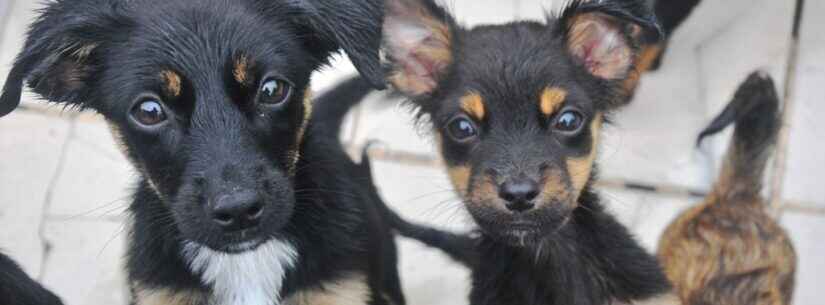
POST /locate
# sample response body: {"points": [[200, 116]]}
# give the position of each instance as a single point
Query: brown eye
{"points": [[462, 129], [274, 92], [148, 113], [569, 121]]}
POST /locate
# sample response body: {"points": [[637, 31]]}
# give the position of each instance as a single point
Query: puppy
{"points": [[517, 111], [239, 202], [17, 288], [729, 250]]}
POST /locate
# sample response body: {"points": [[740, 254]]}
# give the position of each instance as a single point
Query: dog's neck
{"points": [[591, 260]]}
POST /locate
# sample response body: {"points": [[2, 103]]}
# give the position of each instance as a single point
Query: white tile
{"points": [[30, 149], [86, 263], [96, 180], [806, 233], [477, 12], [424, 195], [806, 163], [655, 214]]}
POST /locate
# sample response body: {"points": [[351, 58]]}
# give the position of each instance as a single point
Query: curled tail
{"points": [[330, 108], [460, 247], [755, 111]]}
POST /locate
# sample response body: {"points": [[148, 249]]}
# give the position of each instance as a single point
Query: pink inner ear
{"points": [[419, 45], [601, 46]]}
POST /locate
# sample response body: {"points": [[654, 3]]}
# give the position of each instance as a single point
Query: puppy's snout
{"points": [[519, 194], [237, 211]]}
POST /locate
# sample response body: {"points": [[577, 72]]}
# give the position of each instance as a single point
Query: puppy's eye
{"points": [[274, 92], [569, 121], [148, 113], [462, 129]]}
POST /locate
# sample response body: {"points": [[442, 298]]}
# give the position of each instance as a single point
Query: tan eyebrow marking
{"points": [[172, 82], [551, 99], [240, 70], [473, 104]]}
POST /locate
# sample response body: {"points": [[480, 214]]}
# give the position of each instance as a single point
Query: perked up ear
{"points": [[351, 25], [59, 59], [418, 39], [603, 35]]}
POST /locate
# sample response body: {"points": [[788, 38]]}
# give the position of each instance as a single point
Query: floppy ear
{"points": [[351, 25], [418, 39], [603, 36], [60, 57]]}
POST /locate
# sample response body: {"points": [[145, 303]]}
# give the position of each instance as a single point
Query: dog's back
{"points": [[729, 250], [17, 288]]}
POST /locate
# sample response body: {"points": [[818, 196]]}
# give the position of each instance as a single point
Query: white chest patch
{"points": [[253, 277]]}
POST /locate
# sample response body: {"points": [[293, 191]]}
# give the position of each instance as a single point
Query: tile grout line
{"points": [[780, 165], [47, 202]]}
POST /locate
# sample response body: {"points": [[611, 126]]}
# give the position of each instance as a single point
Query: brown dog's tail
{"points": [[755, 111]]}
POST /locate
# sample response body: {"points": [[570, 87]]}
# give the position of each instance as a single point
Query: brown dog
{"points": [[728, 250]]}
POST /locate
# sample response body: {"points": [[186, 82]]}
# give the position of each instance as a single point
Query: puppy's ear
{"points": [[351, 25], [418, 38], [603, 35], [60, 59]]}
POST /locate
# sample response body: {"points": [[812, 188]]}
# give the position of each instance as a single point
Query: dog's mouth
{"points": [[242, 246], [522, 229]]}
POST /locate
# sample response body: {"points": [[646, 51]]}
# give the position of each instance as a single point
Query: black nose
{"points": [[519, 194], [238, 211]]}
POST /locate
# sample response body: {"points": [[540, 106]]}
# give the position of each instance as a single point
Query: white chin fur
{"points": [[248, 278]]}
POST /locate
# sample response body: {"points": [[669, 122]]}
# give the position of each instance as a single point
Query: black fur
{"points": [[17, 288], [205, 65], [567, 249]]}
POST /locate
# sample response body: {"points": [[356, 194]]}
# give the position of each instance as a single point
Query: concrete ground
{"points": [[64, 186]]}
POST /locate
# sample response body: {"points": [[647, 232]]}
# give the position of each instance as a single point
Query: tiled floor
{"points": [[64, 185]]}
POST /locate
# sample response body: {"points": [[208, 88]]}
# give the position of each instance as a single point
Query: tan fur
{"points": [[295, 154], [434, 49], [554, 187], [172, 82], [644, 60], [579, 169], [611, 61], [241, 70], [460, 178], [552, 98], [167, 297], [473, 104], [721, 238], [350, 290]]}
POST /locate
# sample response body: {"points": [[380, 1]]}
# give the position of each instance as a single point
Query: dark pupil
{"points": [[568, 121], [463, 129], [150, 113]]}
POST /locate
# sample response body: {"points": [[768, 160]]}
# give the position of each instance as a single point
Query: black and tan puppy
{"points": [[17, 288], [517, 111], [729, 250], [241, 201]]}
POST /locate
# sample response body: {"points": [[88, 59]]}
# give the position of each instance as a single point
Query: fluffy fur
{"points": [[517, 111], [243, 197], [729, 250]]}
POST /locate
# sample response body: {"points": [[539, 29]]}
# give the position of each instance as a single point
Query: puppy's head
{"points": [[517, 109], [209, 97]]}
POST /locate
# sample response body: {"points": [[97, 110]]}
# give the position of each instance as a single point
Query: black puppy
{"points": [[517, 111], [17, 288], [239, 201]]}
